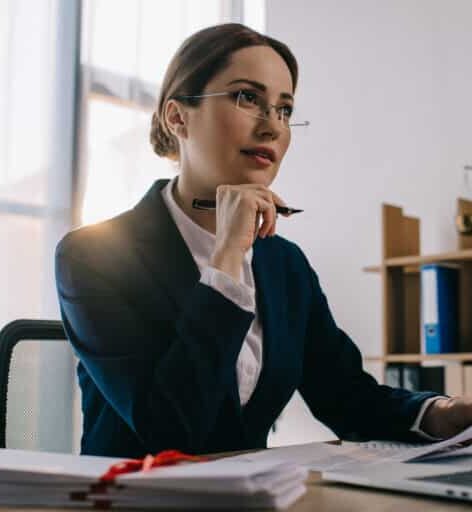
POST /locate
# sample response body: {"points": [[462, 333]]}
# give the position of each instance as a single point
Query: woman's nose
{"points": [[269, 127]]}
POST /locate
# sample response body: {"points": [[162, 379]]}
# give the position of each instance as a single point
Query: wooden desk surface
{"points": [[334, 497], [327, 497]]}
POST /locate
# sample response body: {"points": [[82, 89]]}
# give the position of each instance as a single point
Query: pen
{"points": [[210, 204]]}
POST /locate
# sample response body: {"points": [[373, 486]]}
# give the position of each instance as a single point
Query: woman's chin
{"points": [[258, 177]]}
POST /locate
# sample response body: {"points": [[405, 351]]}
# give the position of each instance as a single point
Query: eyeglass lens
{"points": [[256, 106]]}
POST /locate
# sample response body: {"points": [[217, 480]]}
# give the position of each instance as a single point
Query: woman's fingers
{"points": [[270, 214], [272, 231], [278, 200], [256, 226], [260, 198], [267, 210]]}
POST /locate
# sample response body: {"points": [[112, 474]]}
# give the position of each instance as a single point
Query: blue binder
{"points": [[440, 308]]}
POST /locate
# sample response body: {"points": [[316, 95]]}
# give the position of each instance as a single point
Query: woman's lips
{"points": [[259, 160]]}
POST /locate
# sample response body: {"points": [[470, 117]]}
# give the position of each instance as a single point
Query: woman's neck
{"points": [[184, 192]]}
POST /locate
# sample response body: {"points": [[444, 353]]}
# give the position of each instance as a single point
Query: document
{"points": [[443, 449], [30, 478], [324, 457], [328, 457]]}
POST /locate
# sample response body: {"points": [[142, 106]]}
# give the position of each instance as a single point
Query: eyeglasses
{"points": [[255, 105]]}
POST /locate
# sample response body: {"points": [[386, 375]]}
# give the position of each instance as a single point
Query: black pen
{"points": [[210, 204]]}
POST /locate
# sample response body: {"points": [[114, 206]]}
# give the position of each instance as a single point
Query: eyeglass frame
{"points": [[229, 93]]}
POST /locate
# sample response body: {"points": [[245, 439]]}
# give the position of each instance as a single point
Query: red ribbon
{"points": [[165, 458]]}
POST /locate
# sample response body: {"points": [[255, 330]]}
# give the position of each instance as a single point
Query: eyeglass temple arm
{"points": [[202, 95], [305, 123]]}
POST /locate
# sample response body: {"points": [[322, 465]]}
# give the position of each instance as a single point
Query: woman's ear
{"points": [[175, 117]]}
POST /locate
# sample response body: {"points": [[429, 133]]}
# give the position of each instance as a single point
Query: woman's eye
{"points": [[248, 96], [286, 110]]}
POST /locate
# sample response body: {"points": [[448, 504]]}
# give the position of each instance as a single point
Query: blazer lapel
{"points": [[277, 369], [161, 246], [269, 293]]}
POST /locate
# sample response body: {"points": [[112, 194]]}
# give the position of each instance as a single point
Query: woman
{"points": [[194, 328]]}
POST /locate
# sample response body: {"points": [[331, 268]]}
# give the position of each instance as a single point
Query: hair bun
{"points": [[163, 144]]}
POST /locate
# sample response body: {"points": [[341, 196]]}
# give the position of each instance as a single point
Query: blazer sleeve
{"points": [[166, 382], [340, 393]]}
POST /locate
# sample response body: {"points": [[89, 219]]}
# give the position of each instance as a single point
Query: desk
{"points": [[334, 497], [327, 497]]}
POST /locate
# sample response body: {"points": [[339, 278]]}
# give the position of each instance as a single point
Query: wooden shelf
{"points": [[415, 269], [400, 273], [403, 261], [415, 358]]}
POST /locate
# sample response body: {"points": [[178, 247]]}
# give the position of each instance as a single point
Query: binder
{"points": [[444, 377], [411, 377], [432, 379], [439, 308], [393, 375]]}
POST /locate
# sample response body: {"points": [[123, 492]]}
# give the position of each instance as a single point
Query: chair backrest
{"points": [[13, 333]]}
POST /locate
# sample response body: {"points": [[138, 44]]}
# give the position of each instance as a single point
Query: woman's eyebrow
{"points": [[261, 87]]}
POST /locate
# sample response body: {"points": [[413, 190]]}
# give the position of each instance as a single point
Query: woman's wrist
{"points": [[229, 261], [434, 421]]}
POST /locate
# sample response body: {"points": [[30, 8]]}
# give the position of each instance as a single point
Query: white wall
{"points": [[387, 86]]}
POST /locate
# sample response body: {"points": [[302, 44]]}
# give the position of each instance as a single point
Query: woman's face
{"points": [[217, 132]]}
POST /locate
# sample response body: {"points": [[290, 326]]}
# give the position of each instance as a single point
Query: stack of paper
{"points": [[47, 479]]}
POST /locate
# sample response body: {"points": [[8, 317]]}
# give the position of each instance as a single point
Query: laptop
{"points": [[433, 479]]}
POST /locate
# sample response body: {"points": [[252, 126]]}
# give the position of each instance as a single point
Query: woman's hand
{"points": [[447, 417], [238, 212]]}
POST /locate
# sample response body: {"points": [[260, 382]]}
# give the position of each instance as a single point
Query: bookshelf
{"points": [[400, 277]]}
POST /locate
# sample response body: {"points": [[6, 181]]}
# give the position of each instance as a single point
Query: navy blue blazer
{"points": [[158, 349]]}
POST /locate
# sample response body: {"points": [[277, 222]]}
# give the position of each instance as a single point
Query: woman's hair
{"points": [[200, 57]]}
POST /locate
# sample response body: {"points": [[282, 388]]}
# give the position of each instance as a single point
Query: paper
{"points": [[443, 448], [389, 446], [455, 456], [224, 475], [30, 478], [327, 457], [55, 467], [324, 457]]}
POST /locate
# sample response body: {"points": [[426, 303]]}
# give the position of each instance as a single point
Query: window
{"points": [[123, 63], [24, 155], [36, 140]]}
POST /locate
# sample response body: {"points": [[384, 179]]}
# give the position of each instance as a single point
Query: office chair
{"points": [[13, 333]]}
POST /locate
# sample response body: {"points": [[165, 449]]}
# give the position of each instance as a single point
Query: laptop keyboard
{"points": [[463, 478]]}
